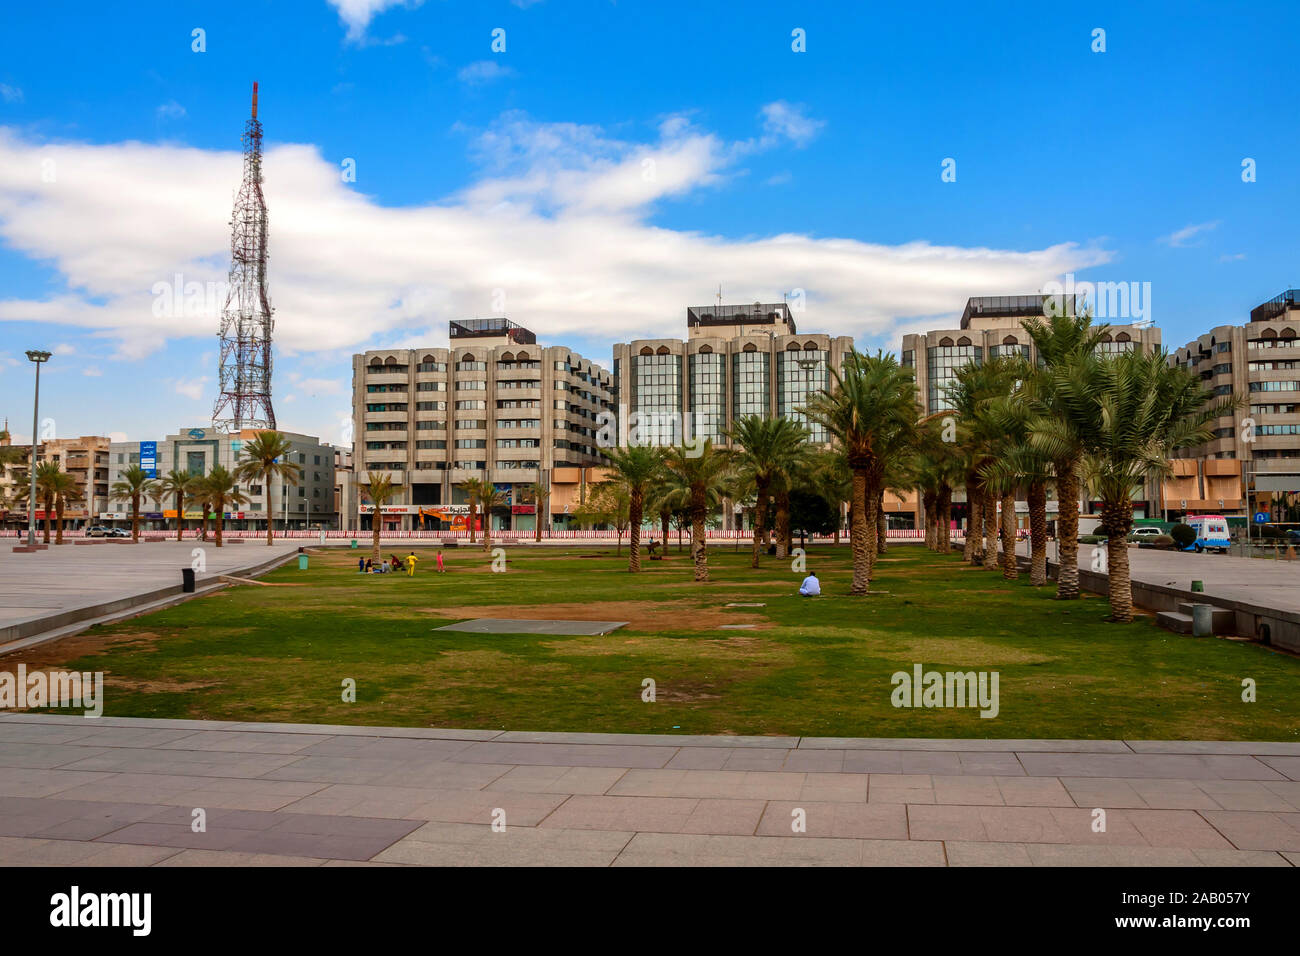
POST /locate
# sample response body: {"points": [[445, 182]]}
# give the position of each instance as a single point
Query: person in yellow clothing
{"points": [[410, 564]]}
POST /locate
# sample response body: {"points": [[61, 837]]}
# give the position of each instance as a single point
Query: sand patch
{"points": [[640, 615]]}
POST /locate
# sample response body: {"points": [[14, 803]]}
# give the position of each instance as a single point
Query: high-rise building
{"points": [[990, 327], [495, 405], [737, 360], [1256, 448]]}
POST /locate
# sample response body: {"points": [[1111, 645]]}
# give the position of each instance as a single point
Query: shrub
{"points": [[1183, 535]]}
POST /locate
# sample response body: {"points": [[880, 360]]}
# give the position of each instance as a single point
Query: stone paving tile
{"points": [[204, 764], [748, 785], [1174, 828], [56, 818], [1289, 766], [15, 782], [443, 776], [814, 761], [233, 793], [1178, 794], [988, 746], [245, 742], [198, 857], [462, 844], [22, 851], [1250, 795], [756, 759], [353, 730], [900, 788], [962, 853], [363, 800], [699, 758], [386, 748], [1033, 792], [875, 821], [1240, 858], [479, 806], [44, 756], [1048, 854], [1108, 793], [1294, 858], [1183, 766], [1290, 792], [25, 733], [335, 769], [1257, 830], [1259, 748], [835, 787], [976, 791], [135, 737], [641, 740], [671, 849], [590, 780], [657, 814], [566, 755]]}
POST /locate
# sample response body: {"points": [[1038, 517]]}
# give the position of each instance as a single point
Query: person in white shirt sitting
{"points": [[811, 587]]}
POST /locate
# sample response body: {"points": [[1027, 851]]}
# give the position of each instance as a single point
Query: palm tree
{"points": [[66, 489], [484, 496], [701, 473], [1135, 410], [47, 477], [197, 496], [637, 467], [266, 457], [871, 410], [133, 486], [1060, 339], [176, 484], [222, 488], [540, 493], [378, 489], [765, 454], [833, 480]]}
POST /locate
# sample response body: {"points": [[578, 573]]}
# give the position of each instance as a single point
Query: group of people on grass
{"points": [[394, 564]]}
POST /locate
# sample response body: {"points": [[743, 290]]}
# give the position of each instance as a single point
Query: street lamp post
{"points": [[38, 357]]}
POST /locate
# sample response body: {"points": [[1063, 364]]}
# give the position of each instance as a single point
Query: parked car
{"points": [[1146, 531], [98, 531]]}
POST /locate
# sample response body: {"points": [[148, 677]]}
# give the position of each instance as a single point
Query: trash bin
{"points": [[354, 543], [1198, 587], [302, 562], [187, 580], [1202, 620]]}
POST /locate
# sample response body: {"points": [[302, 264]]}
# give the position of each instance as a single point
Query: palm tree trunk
{"points": [[58, 508], [783, 521], [634, 531], [1037, 496], [1067, 533], [1010, 569], [180, 520], [135, 521], [697, 537], [858, 534], [990, 531], [664, 519], [537, 518], [473, 513], [374, 540], [945, 519], [760, 521], [269, 535], [871, 518], [882, 524], [931, 519], [973, 518], [220, 520], [48, 507], [1119, 520]]}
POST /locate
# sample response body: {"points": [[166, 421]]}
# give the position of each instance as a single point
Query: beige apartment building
{"points": [[1252, 465], [494, 405], [990, 327]]}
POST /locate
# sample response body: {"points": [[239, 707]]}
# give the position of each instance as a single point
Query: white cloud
{"points": [[782, 120], [357, 14], [191, 388], [92, 371], [1182, 237], [1234, 257], [10, 94], [170, 110], [559, 219], [483, 71]]}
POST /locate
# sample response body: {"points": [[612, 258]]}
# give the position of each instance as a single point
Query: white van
{"points": [[1211, 533]]}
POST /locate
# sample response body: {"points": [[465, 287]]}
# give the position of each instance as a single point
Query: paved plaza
{"points": [[70, 576], [121, 791]]}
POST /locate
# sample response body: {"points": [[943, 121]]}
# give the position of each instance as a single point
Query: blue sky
{"points": [[614, 164]]}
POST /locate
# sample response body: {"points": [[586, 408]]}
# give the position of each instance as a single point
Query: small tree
{"points": [[134, 485]]}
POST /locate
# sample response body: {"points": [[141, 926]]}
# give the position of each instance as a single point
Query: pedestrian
{"points": [[410, 564], [361, 565], [441, 569]]}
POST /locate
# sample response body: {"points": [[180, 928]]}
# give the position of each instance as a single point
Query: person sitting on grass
{"points": [[811, 587], [394, 563], [369, 566]]}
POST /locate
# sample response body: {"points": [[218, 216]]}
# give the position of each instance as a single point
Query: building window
{"points": [[801, 375], [657, 397], [942, 363], [751, 384], [708, 374]]}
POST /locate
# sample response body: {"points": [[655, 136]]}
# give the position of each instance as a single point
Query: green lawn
{"points": [[809, 667]]}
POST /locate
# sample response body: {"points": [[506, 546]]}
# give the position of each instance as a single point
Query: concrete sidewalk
{"points": [[118, 791]]}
